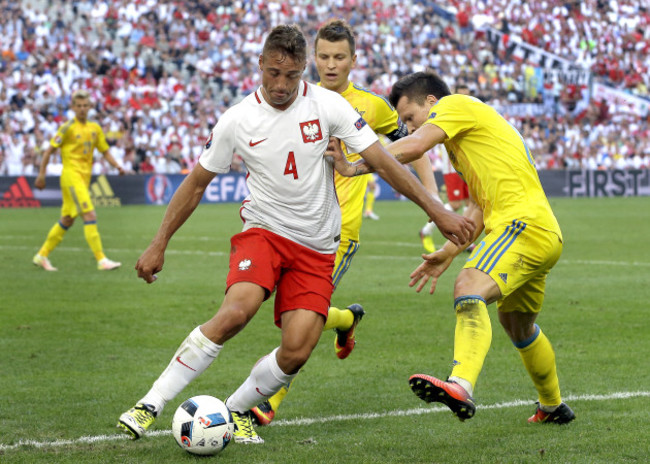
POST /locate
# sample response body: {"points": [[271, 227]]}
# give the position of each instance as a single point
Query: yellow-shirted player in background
{"points": [[77, 139], [335, 57], [523, 241]]}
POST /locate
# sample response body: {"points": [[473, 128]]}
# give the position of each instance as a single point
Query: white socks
{"points": [[194, 356], [265, 380], [428, 228]]}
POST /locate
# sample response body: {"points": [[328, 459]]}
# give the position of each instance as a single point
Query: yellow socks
{"points": [[58, 230], [370, 201], [276, 399], [94, 240], [338, 319], [539, 358], [54, 237], [472, 339]]}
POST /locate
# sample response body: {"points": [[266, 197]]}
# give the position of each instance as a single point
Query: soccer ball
{"points": [[203, 425]]}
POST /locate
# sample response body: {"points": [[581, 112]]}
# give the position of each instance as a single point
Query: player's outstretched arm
{"points": [[454, 227], [181, 206], [412, 147], [107, 155]]}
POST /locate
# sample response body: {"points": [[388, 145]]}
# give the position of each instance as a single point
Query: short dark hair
{"points": [[417, 86], [287, 39], [336, 30]]}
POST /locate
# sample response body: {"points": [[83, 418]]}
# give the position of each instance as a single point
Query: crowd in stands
{"points": [[161, 73]]}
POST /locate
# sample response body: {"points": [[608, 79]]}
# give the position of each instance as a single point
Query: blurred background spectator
{"points": [[572, 76]]}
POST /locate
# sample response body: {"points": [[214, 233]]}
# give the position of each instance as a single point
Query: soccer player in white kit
{"points": [[291, 227]]}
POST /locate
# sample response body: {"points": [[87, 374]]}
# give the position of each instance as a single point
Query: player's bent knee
{"points": [[474, 282], [67, 221]]}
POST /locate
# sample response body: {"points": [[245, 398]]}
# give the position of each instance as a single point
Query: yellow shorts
{"points": [[518, 257], [76, 196], [344, 255], [350, 191]]}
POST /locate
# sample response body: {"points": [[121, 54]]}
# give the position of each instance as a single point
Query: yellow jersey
{"points": [[383, 119], [493, 159], [78, 142]]}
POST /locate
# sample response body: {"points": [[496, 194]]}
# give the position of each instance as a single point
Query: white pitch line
{"points": [[121, 250], [409, 257], [322, 420]]}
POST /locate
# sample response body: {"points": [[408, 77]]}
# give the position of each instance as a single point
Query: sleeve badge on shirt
{"points": [[311, 131], [360, 123], [432, 115], [208, 142]]}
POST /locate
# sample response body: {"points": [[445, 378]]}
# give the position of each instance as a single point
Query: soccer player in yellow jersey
{"points": [[77, 139], [335, 57], [522, 243]]}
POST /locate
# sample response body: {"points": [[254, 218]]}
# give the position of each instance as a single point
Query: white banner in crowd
{"points": [[622, 101], [555, 69], [523, 51]]}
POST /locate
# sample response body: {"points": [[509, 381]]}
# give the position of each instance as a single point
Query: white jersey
{"points": [[291, 184]]}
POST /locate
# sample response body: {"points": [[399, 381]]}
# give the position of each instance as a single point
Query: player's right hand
{"points": [[457, 229], [150, 263], [39, 183]]}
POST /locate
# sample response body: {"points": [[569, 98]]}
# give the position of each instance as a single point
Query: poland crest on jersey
{"points": [[311, 131]]}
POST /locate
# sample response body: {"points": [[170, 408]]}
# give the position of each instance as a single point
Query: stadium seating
{"points": [[163, 72]]}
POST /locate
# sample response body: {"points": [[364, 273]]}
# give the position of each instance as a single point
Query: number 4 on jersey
{"points": [[291, 167]]}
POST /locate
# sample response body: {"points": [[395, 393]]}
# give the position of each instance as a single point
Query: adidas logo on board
{"points": [[102, 193], [19, 195]]}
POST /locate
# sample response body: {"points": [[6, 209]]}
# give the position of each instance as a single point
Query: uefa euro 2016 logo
{"points": [[159, 189]]}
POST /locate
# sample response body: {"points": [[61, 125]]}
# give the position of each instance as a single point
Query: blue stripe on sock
{"points": [[88, 223], [63, 227], [460, 299], [529, 340]]}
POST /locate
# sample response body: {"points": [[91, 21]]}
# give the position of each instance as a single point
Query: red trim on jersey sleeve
{"points": [[258, 98]]}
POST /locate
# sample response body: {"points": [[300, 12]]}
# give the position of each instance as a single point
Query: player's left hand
{"points": [[334, 150], [433, 266], [335, 154]]}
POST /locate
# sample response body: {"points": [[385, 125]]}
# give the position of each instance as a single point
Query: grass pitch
{"points": [[80, 346]]}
